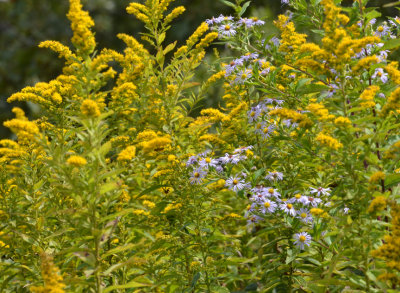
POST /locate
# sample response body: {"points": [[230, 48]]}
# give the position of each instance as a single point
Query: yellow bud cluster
{"points": [[390, 249], [297, 117], [214, 115], [393, 71], [76, 161], [328, 141], [377, 204], [133, 44], [367, 96], [127, 154], [197, 35], [366, 63], [140, 11], [157, 144], [63, 51], [393, 102], [53, 282], [174, 14], [320, 111], [377, 177], [342, 121], [213, 138], [90, 108], [83, 39]]}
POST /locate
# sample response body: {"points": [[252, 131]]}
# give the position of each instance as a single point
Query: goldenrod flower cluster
{"points": [[53, 282], [127, 154], [378, 204], [390, 250], [83, 39], [342, 121], [367, 96], [76, 161], [90, 108], [297, 117], [377, 177], [392, 104], [329, 141], [320, 111]]}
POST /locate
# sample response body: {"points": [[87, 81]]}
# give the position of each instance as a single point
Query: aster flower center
{"points": [[298, 196], [271, 190], [252, 114], [244, 75], [302, 238], [235, 181], [267, 204], [196, 174], [379, 73], [227, 27], [303, 215], [289, 206], [310, 199], [380, 29], [208, 160]]}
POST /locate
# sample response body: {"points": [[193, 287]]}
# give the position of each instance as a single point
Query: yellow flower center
{"points": [[289, 206], [271, 190], [302, 238], [380, 29], [252, 114], [196, 174], [265, 130], [208, 160], [298, 196], [267, 204], [303, 215], [227, 27], [379, 73], [244, 75], [235, 182]]}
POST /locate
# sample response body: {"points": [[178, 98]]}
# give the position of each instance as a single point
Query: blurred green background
{"points": [[25, 23]]}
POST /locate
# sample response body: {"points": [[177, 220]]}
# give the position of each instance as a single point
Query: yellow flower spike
{"points": [[127, 154], [328, 141], [174, 14], [197, 34], [342, 121], [377, 177], [63, 51], [90, 108], [53, 282], [76, 161], [83, 38], [140, 11], [378, 204], [367, 96]]}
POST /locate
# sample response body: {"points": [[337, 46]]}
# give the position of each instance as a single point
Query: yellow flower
{"points": [[90, 108], [76, 161], [329, 141], [376, 177], [127, 154], [53, 282], [377, 204], [342, 121]]}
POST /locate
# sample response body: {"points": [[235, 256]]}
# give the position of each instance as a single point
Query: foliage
{"points": [[289, 186]]}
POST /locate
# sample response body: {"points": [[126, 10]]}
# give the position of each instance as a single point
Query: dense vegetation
{"points": [[288, 185]]}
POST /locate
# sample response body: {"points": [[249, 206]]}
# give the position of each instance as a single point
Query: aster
{"points": [[236, 183], [243, 76], [274, 176], [208, 162], [253, 114], [313, 201], [191, 161], [242, 149], [198, 175], [288, 208], [268, 206], [304, 216], [320, 190], [227, 30], [301, 239], [379, 73]]}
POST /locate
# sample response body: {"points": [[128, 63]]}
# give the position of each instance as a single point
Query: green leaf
{"points": [[244, 8], [132, 284], [196, 277], [391, 44], [227, 3], [392, 180], [169, 48], [312, 88]]}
